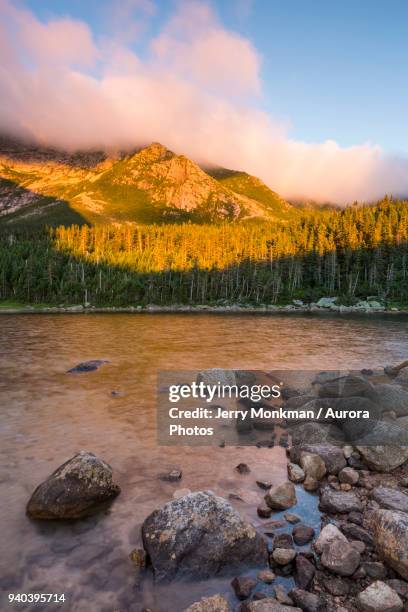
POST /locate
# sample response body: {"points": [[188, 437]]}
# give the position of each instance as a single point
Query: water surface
{"points": [[47, 416]]}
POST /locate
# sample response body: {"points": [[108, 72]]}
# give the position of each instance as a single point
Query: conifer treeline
{"points": [[355, 252]]}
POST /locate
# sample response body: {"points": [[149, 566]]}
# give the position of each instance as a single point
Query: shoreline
{"points": [[198, 309]]}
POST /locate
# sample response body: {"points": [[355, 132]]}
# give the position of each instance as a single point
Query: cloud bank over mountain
{"points": [[196, 88]]}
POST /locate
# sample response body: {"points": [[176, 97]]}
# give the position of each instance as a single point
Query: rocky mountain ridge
{"points": [[153, 184]]}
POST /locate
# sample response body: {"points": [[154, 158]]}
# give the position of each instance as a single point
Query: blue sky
{"points": [[330, 70]]}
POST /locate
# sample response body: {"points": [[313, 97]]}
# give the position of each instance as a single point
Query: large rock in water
{"points": [[76, 489], [199, 535], [391, 539], [281, 496], [391, 499], [383, 458]]}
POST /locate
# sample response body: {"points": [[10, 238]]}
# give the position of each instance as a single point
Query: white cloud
{"points": [[196, 92]]}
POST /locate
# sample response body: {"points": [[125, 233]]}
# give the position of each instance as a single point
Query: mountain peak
{"points": [[155, 152]]}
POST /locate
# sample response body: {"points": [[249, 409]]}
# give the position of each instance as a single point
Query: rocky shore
{"points": [[325, 305], [356, 561]]}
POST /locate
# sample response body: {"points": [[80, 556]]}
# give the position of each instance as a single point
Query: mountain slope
{"points": [[44, 186]]}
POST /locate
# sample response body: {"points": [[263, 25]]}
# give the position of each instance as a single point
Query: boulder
{"points": [[349, 475], [383, 458], [309, 602], [355, 532], [339, 501], [332, 455], [216, 603], [402, 378], [392, 397], [313, 465], [282, 596], [87, 366], [281, 497], [310, 484], [340, 558], [391, 539], [283, 540], [75, 490], [391, 499], [305, 434], [283, 556], [379, 597], [399, 586], [328, 534], [243, 585], [347, 386], [304, 572], [295, 473], [375, 570], [266, 576], [199, 535], [302, 534]]}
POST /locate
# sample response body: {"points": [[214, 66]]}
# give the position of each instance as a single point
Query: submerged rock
{"points": [[87, 366], [243, 586], [379, 597], [281, 497], [302, 534], [76, 489], [391, 539], [216, 603], [199, 535]]}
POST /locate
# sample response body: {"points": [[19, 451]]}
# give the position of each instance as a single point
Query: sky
{"points": [[310, 96]]}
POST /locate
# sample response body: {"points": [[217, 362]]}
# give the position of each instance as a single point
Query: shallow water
{"points": [[48, 415]]}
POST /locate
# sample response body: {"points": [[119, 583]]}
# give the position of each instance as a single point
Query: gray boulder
{"points": [[391, 499], [339, 501], [331, 454], [392, 397], [383, 458], [281, 497], [327, 536], [313, 465], [200, 535], [379, 597], [347, 386], [391, 539], [309, 602], [75, 490], [295, 473], [340, 558]]}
